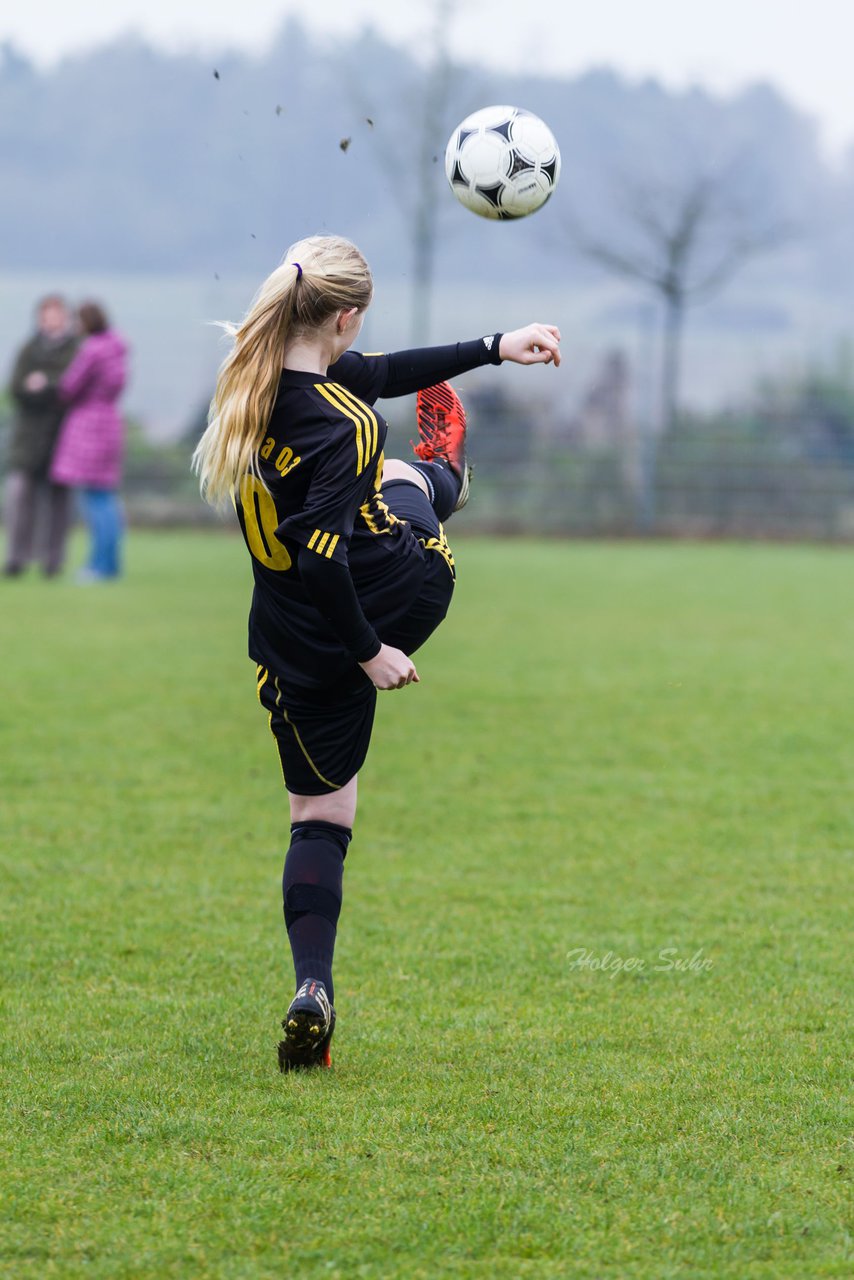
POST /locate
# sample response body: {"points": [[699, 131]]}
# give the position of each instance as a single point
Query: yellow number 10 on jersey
{"points": [[261, 522]]}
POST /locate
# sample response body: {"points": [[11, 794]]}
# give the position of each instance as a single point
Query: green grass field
{"points": [[615, 751]]}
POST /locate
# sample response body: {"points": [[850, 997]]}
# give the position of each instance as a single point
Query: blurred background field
{"points": [[618, 750], [697, 254]]}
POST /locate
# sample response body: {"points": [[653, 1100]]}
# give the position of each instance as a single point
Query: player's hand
{"points": [[535, 344], [390, 669]]}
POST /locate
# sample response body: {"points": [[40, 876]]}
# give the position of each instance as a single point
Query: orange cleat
{"points": [[442, 433]]}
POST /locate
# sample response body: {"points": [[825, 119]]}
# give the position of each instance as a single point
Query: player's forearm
{"points": [[331, 591], [410, 371]]}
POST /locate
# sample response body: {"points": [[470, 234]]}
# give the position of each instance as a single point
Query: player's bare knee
{"points": [[336, 806], [397, 469]]}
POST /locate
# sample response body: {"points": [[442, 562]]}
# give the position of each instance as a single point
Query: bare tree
{"points": [[430, 173], [411, 151], [683, 241]]}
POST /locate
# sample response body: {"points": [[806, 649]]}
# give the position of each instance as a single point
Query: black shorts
{"points": [[322, 736]]}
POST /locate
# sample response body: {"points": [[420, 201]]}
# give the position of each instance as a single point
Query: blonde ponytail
{"points": [[319, 276]]}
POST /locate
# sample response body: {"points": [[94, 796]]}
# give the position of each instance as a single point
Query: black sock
{"points": [[311, 893], [443, 486]]}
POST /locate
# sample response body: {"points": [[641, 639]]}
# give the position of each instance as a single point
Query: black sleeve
{"points": [[410, 371], [364, 375], [331, 591], [371, 377]]}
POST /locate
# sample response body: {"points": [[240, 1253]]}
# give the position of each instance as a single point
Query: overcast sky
{"points": [[806, 47]]}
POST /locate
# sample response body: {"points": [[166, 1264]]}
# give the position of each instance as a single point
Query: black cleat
{"points": [[308, 1026]]}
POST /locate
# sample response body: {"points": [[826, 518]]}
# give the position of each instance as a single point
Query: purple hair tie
{"points": [[299, 270]]}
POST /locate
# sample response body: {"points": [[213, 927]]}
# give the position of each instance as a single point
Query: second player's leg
{"points": [[322, 740], [57, 525], [397, 469], [20, 516], [435, 480], [338, 806], [312, 880], [312, 892]]}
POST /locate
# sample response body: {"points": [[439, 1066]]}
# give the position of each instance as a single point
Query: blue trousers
{"points": [[103, 514]]}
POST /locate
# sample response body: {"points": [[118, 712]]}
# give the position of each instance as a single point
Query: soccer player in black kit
{"points": [[352, 567]]}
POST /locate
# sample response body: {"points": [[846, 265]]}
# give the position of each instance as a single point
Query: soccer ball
{"points": [[502, 162]]}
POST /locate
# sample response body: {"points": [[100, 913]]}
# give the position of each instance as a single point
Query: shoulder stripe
{"points": [[313, 539], [333, 542], [321, 544], [359, 406], [357, 410], [327, 390], [360, 414]]}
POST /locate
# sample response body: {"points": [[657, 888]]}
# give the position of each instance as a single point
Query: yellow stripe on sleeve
{"points": [[333, 542], [321, 544], [313, 539]]}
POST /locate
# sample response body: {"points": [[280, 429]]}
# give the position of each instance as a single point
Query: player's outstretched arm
{"points": [[535, 344]]}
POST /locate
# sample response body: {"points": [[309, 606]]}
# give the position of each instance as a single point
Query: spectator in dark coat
{"points": [[90, 451], [30, 492]]}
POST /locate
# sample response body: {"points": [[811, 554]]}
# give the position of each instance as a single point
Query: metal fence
{"points": [[781, 474]]}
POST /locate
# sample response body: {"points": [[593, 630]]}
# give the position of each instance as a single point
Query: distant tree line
{"points": [[127, 158]]}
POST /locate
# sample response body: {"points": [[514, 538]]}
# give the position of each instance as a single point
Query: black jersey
{"points": [[319, 492]]}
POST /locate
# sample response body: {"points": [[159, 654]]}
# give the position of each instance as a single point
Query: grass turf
{"points": [[614, 751]]}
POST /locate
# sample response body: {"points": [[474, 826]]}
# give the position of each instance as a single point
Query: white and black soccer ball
{"points": [[502, 162]]}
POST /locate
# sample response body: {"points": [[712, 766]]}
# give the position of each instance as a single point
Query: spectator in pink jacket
{"points": [[90, 450]]}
